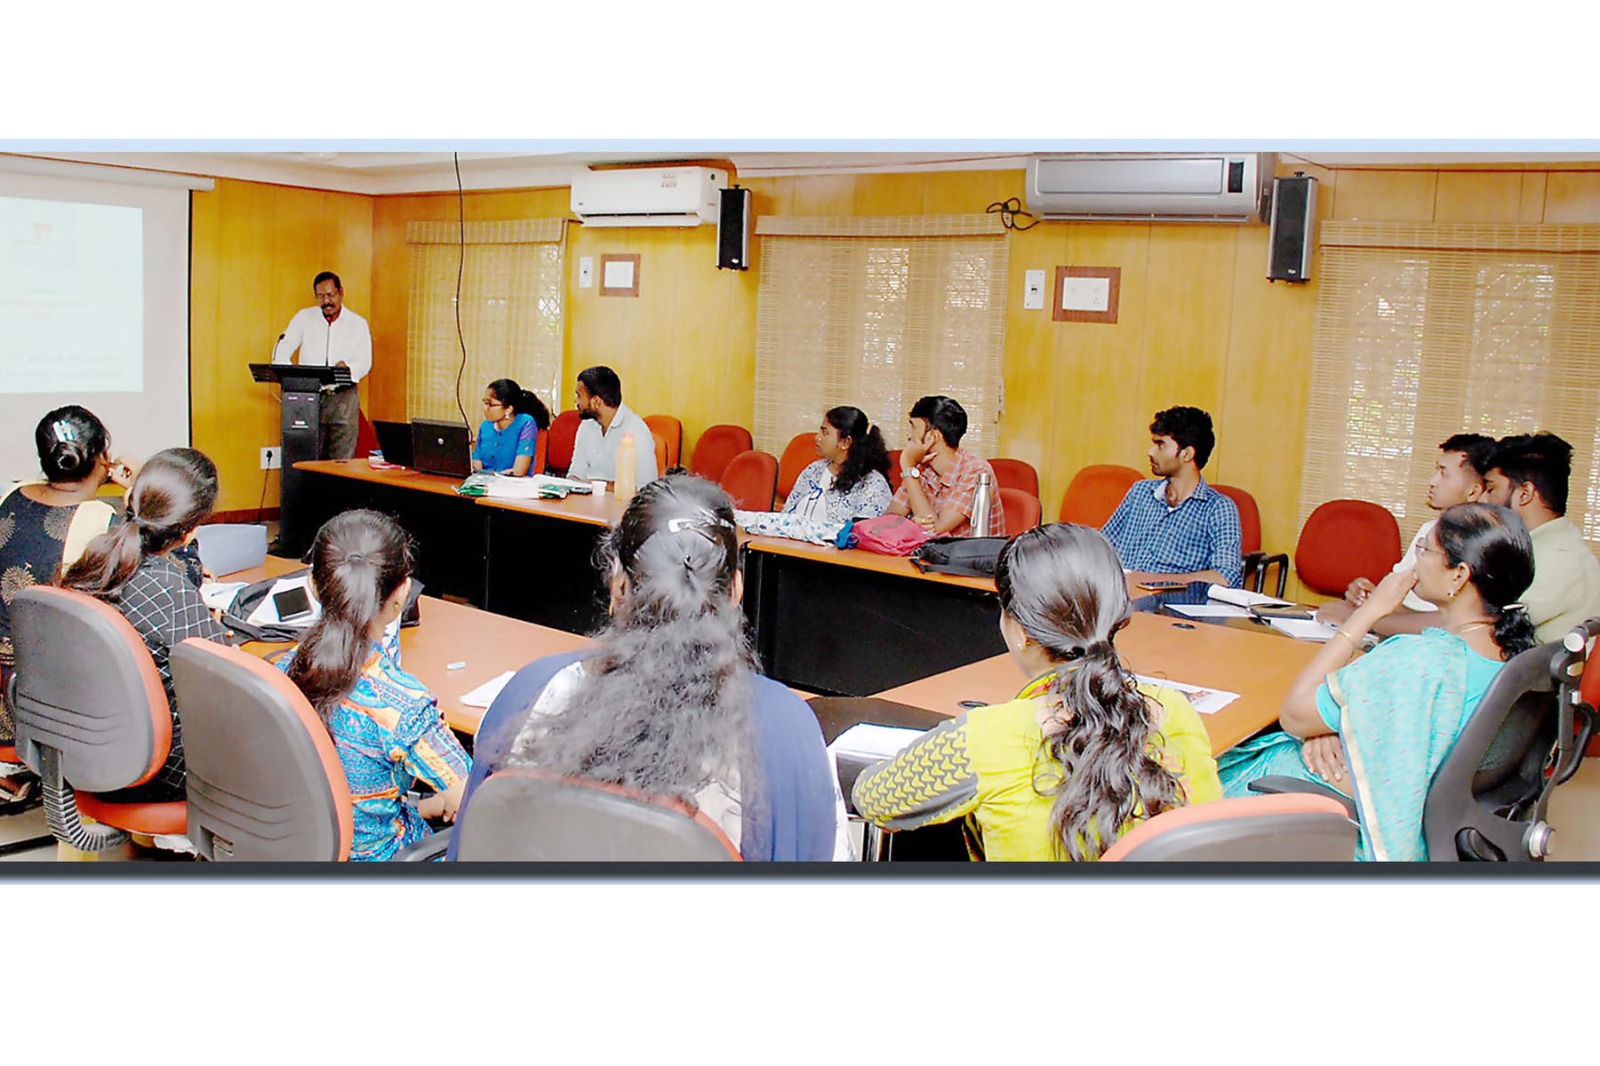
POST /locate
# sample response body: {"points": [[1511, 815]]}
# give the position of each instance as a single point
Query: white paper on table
{"points": [[1205, 700], [864, 740], [219, 594], [485, 693], [1303, 629], [1244, 597], [1208, 610], [266, 612]]}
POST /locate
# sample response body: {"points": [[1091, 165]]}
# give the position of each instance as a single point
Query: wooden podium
{"points": [[301, 439]]}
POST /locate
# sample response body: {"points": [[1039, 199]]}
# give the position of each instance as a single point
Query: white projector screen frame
{"points": [[156, 415]]}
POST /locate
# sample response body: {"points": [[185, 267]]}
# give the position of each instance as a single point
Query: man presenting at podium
{"points": [[331, 334]]}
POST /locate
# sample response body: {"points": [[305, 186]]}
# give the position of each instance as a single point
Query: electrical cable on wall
{"points": [[461, 266], [1009, 211]]}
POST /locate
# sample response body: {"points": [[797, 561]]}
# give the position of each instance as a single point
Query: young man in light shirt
{"points": [[331, 334], [605, 420], [1458, 477]]}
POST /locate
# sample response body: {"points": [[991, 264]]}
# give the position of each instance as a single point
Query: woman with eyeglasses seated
{"points": [[1083, 753], [509, 434], [1377, 726], [669, 702], [850, 478]]}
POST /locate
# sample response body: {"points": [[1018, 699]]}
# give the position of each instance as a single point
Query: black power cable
{"points": [[461, 266], [1009, 211]]}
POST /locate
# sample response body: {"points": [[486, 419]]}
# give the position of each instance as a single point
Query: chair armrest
{"points": [[1281, 561], [430, 848], [1277, 784], [1254, 573]]}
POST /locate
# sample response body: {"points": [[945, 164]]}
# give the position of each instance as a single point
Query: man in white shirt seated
{"points": [[605, 421], [331, 334], [1458, 477]]}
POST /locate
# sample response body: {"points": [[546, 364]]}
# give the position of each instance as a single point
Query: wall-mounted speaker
{"points": [[1294, 221], [735, 223]]}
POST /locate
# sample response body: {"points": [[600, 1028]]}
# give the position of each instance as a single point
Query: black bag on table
{"points": [[959, 556], [249, 598]]}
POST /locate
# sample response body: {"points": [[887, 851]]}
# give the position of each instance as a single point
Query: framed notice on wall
{"points": [[619, 275], [1086, 294]]}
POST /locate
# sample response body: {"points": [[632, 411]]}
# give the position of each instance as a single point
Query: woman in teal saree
{"points": [[1378, 727]]}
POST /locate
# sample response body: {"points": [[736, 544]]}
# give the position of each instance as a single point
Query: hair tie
{"points": [[64, 431], [354, 557], [1508, 608]]}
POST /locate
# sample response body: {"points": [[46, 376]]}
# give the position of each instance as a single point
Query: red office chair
{"points": [[670, 430], [799, 453], [1589, 685], [1016, 474], [1095, 492], [523, 815], [88, 731], [751, 478], [1256, 561], [1343, 540], [1291, 827], [661, 451], [894, 470], [1022, 510], [563, 434], [541, 452], [716, 448], [366, 436]]}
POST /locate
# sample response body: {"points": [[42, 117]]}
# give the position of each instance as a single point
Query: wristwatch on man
{"points": [[915, 473]]}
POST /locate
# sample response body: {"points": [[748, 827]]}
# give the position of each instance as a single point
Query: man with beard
{"points": [[605, 421], [1175, 527]]}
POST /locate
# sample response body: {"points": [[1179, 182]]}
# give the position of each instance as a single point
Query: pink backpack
{"points": [[889, 534]]}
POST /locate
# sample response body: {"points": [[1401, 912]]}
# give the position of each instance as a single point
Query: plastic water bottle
{"points": [[627, 469], [981, 497]]}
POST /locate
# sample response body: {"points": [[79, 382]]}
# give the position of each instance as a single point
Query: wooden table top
{"points": [[1258, 666], [360, 470]]}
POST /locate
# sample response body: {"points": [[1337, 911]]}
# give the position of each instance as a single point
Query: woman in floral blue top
{"points": [[850, 480]]}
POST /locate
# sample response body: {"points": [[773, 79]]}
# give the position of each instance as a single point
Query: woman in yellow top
{"points": [[1082, 753]]}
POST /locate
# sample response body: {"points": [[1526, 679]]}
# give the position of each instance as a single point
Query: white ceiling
{"points": [[378, 173]]}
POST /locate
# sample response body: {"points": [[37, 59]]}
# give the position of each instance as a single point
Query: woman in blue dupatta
{"points": [[1378, 728]]}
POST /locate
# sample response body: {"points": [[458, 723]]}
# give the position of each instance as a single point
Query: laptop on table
{"points": [[440, 448], [394, 440]]}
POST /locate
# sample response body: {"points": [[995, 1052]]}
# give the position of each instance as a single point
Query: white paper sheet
{"points": [[485, 693], [1208, 610], [1244, 597], [1303, 629], [266, 612], [1205, 700], [869, 741], [219, 594]]}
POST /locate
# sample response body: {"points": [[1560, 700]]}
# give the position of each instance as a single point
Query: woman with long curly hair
{"points": [[1083, 753]]}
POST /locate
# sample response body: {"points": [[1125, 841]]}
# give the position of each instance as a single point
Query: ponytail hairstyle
{"points": [[1494, 543], [1064, 585], [665, 705], [357, 561], [867, 452], [71, 442], [521, 401], [174, 492]]}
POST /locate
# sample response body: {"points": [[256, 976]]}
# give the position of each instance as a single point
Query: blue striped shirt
{"points": [[1201, 533]]}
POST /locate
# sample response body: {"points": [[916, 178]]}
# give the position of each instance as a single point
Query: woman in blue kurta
{"points": [[508, 437]]}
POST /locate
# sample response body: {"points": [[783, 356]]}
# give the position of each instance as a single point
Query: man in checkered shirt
{"points": [[1176, 527], [938, 479]]}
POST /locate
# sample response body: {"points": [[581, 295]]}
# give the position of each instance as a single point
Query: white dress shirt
{"points": [[1408, 561], [594, 453], [322, 343]]}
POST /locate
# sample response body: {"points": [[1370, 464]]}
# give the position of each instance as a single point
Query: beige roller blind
{"points": [[511, 306], [1427, 330], [875, 312]]}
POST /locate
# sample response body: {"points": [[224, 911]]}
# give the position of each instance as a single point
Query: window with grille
{"points": [[510, 313], [875, 312], [1423, 331]]}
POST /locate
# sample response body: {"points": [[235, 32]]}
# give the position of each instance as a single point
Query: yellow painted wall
{"points": [[254, 250], [1199, 323]]}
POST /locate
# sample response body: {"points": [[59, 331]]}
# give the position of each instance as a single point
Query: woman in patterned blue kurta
{"points": [[849, 480]]}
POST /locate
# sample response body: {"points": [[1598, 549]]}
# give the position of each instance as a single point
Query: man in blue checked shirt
{"points": [[1176, 527]]}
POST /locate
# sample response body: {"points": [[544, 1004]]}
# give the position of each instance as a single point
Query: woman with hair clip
{"points": [[1377, 727], [1082, 753], [508, 437], [385, 724], [669, 702], [850, 477], [133, 568]]}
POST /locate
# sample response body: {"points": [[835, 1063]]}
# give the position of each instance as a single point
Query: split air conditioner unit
{"points": [[1154, 187], [655, 196]]}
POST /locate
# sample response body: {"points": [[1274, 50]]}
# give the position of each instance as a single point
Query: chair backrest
{"points": [[85, 685], [1095, 492], [799, 453], [1487, 788], [751, 478], [1249, 518], [1286, 827], [670, 430], [522, 815], [894, 470], [541, 452], [716, 448], [661, 451], [1016, 474], [1022, 510], [1343, 540], [366, 436], [563, 434], [264, 779], [1588, 691]]}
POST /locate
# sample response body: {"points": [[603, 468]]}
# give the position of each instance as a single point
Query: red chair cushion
{"points": [[563, 434], [166, 819], [1022, 510], [1343, 540], [1095, 492], [716, 448], [751, 479], [894, 470], [799, 453], [1249, 517], [1015, 474]]}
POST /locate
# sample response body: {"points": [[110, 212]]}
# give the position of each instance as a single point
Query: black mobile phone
{"points": [[1293, 610], [292, 604]]}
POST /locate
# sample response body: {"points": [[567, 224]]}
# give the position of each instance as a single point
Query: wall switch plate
{"points": [[1033, 291], [272, 458], [586, 272]]}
